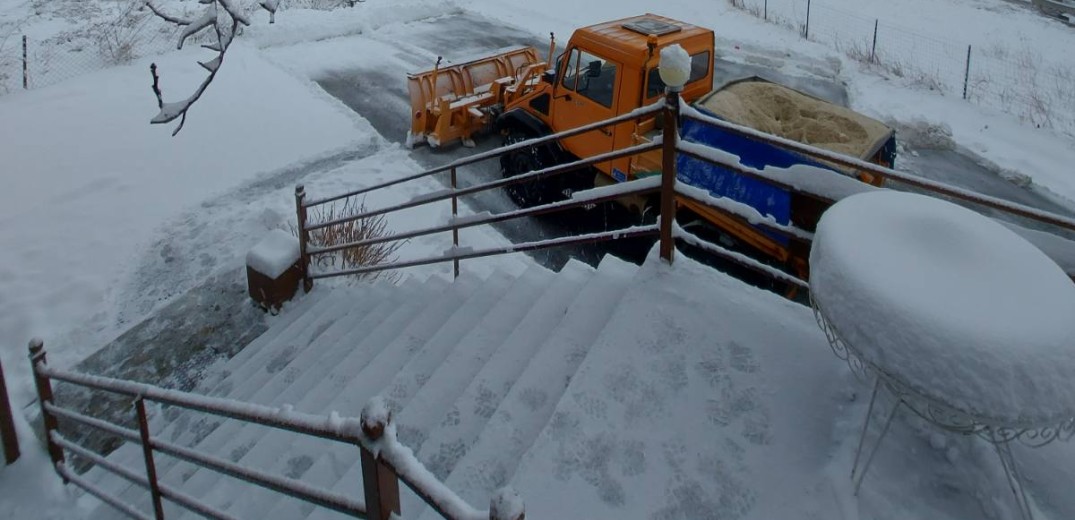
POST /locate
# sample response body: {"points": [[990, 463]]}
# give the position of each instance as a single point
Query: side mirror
{"points": [[549, 77], [593, 70]]}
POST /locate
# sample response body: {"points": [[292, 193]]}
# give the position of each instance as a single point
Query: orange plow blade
{"points": [[455, 101]]}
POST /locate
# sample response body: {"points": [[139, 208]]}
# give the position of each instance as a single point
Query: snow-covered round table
{"points": [[967, 324]]}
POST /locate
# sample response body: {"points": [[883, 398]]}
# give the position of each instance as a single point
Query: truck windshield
{"points": [[591, 76], [699, 69]]}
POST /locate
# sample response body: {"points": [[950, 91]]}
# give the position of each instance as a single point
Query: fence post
{"points": [[304, 236], [25, 75], [380, 485], [44, 396], [455, 230], [806, 31], [873, 49], [966, 74], [147, 452], [7, 424], [668, 172], [765, 11]]}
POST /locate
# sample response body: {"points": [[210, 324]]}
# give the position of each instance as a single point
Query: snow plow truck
{"points": [[610, 69]]}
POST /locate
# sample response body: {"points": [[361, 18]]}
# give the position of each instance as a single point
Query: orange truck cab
{"points": [[606, 70], [611, 69]]}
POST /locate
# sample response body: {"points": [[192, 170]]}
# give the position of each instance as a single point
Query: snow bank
{"points": [[953, 303], [89, 182], [275, 253]]}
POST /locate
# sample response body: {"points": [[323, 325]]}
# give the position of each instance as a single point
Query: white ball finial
{"points": [[675, 67]]}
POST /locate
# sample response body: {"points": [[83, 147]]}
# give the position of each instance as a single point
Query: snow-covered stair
{"points": [[472, 369]]}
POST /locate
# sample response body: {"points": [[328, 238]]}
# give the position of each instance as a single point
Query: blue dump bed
{"points": [[877, 145]]}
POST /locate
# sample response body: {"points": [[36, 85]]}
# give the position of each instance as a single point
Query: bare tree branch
{"points": [[156, 85], [165, 16], [225, 26]]}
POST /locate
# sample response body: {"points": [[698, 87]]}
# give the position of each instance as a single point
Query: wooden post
{"points": [[7, 424], [765, 15], [44, 396], [380, 485], [806, 31], [873, 49], [668, 172], [25, 74], [304, 236], [966, 74], [455, 230], [147, 452]]}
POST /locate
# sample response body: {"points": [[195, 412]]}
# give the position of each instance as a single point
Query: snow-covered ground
{"points": [[103, 217]]}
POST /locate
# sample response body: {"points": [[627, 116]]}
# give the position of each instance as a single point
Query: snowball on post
{"points": [[675, 67], [506, 504], [375, 418], [273, 270]]}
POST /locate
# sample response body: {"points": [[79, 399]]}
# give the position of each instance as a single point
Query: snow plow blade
{"points": [[453, 102]]}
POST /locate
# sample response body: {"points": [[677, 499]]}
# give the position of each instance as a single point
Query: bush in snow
{"points": [[119, 38], [354, 231]]}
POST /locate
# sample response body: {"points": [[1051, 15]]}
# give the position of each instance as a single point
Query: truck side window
{"points": [[591, 76], [699, 69]]}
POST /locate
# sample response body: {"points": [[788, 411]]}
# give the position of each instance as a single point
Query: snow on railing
{"points": [[740, 258], [744, 211], [888, 173], [820, 185], [372, 432]]}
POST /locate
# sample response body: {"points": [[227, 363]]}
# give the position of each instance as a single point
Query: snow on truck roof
{"points": [[631, 35], [785, 112]]}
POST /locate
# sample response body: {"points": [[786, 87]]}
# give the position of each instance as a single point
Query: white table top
{"points": [[950, 304]]}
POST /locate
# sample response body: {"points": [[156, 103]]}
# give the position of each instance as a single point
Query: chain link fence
{"points": [[113, 34], [1019, 82]]}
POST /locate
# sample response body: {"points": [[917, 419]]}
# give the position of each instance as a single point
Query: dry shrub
{"points": [[119, 39], [349, 232]]}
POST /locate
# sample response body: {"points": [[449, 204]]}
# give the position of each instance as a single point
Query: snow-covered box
{"points": [[273, 270]]}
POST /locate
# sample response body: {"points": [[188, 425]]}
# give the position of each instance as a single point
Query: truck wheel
{"points": [[533, 193]]}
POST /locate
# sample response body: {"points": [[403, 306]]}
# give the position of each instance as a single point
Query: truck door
{"points": [[587, 93]]}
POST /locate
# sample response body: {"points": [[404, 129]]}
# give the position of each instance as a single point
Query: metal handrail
{"points": [[287, 486], [478, 157], [313, 425], [888, 173], [603, 236], [491, 185], [648, 188], [131, 476]]}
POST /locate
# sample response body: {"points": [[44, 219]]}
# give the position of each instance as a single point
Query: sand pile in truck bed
{"points": [[780, 111]]}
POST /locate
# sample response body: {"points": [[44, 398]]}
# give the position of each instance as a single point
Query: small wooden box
{"points": [[271, 293]]}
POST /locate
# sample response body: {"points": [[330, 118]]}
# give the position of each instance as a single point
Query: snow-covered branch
{"points": [[224, 18]]}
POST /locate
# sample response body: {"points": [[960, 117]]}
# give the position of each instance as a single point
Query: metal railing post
{"points": [[25, 60], [380, 485], [147, 452], [7, 424], [873, 48], [966, 74], [304, 235], [44, 396], [668, 172], [455, 214]]}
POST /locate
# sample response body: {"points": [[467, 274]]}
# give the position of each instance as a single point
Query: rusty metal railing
{"points": [[821, 186], [383, 462], [8, 437]]}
